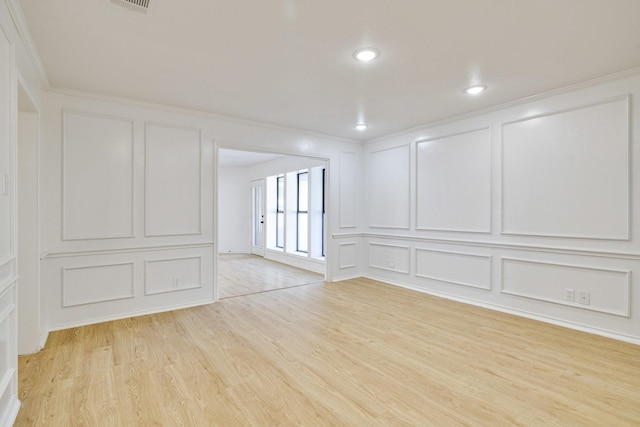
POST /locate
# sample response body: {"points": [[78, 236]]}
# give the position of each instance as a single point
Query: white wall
{"points": [[18, 67], [128, 205], [29, 325], [234, 221], [514, 209]]}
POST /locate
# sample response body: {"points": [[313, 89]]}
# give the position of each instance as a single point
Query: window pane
{"points": [[303, 191], [280, 207], [303, 223], [280, 230]]}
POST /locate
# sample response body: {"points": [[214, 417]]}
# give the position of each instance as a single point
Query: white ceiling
{"points": [[289, 62]]}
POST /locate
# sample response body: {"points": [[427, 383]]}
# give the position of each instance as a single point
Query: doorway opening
{"points": [[271, 221]]}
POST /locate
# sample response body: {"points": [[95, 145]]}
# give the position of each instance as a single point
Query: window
{"points": [[324, 212], [280, 212], [302, 213]]}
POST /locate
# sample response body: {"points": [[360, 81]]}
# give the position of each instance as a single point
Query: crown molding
{"points": [[632, 72], [19, 21], [101, 97]]}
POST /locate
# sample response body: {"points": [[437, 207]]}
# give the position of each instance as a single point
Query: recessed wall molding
{"points": [[7, 259], [515, 246], [51, 255], [390, 199], [173, 191], [175, 274], [454, 182], [91, 284], [609, 290], [395, 258], [98, 178], [560, 183], [458, 268], [7, 285], [347, 190], [347, 255]]}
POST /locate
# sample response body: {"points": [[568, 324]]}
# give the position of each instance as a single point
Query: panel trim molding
{"points": [[7, 259], [7, 285], [64, 233], [51, 255], [88, 267], [491, 191], [627, 236], [181, 288], [395, 270], [408, 226], [341, 245], [346, 225], [148, 124], [626, 313], [440, 279], [515, 246]]}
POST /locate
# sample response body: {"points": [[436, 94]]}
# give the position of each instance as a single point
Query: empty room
{"points": [[361, 213]]}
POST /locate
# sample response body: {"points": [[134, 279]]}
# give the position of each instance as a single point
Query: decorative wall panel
{"points": [[348, 255], [173, 185], [97, 283], [348, 193], [454, 267], [453, 188], [389, 257], [608, 290], [567, 174], [97, 174], [172, 274], [389, 188]]}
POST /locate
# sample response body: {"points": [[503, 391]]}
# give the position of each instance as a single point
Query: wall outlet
{"points": [[585, 298], [176, 282], [570, 294], [390, 264]]}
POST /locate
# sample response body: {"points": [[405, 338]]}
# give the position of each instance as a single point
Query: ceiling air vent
{"points": [[143, 6]]}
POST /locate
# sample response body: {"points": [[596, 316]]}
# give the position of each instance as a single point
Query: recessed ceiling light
{"points": [[474, 90], [366, 54], [361, 126]]}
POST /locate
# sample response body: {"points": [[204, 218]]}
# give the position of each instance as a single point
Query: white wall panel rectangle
{"points": [[389, 188], [454, 267], [97, 175], [97, 283], [173, 184], [348, 190], [453, 182], [567, 174], [348, 255], [609, 290], [390, 257], [172, 274]]}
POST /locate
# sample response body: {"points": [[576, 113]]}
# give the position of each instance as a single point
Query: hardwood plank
{"points": [[351, 353], [243, 274]]}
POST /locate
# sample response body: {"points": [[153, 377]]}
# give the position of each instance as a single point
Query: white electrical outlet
{"points": [[585, 297], [570, 294], [176, 282]]}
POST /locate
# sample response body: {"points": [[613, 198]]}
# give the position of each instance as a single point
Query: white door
{"points": [[258, 201]]}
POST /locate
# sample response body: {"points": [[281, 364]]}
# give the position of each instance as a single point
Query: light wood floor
{"points": [[356, 353], [242, 274]]}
